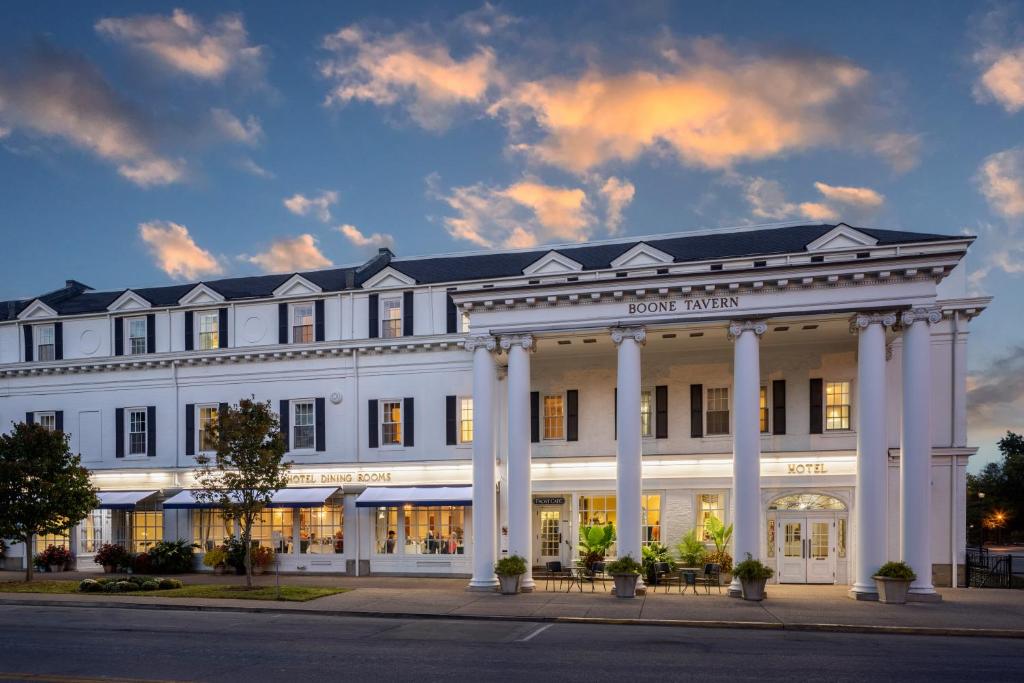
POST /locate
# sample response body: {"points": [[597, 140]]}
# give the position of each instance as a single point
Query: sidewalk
{"points": [[986, 612]]}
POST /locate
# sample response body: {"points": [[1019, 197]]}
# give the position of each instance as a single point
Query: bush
{"points": [[752, 570], [652, 555], [262, 556], [623, 565], [90, 586], [896, 570], [168, 584], [150, 586], [54, 555], [514, 565], [691, 550], [216, 557], [236, 554], [721, 558], [123, 587], [112, 554], [172, 557], [142, 563]]}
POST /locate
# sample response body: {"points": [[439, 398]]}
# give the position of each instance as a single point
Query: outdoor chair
{"points": [[597, 573], [554, 573], [711, 577], [661, 572]]}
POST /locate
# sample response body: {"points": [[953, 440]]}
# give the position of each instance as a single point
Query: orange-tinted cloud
{"points": [[175, 251], [290, 255], [618, 194], [768, 200], [356, 237], [1001, 179]]}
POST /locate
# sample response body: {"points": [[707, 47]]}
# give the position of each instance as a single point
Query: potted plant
{"points": [[653, 555], [691, 550], [111, 556], [217, 558], [594, 543], [625, 571], [262, 557], [55, 558], [753, 574], [720, 535], [893, 580], [510, 570], [171, 557]]}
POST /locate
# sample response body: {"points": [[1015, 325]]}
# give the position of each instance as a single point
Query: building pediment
{"points": [[389, 277], [129, 301], [37, 309], [296, 285], [201, 295], [842, 237], [640, 255], [553, 263]]}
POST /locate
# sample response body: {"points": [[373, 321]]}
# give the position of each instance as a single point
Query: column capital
{"points": [[928, 314], [637, 334], [481, 341], [526, 341], [862, 321], [738, 327]]}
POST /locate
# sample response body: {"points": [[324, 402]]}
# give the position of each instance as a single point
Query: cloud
{"points": [[999, 57], [356, 237], [420, 74], [860, 197], [176, 253], [251, 167], [248, 132], [58, 95], [767, 199], [291, 255], [902, 151], [1000, 179], [561, 211], [1000, 249], [302, 205], [183, 43], [995, 396], [617, 194]]}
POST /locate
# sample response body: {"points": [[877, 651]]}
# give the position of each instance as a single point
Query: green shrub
{"points": [[721, 558], [167, 584], [150, 586], [896, 570], [123, 587], [113, 555], [90, 586], [513, 565], [752, 570], [172, 557], [623, 565], [216, 557], [595, 542], [653, 555], [235, 553], [691, 550]]}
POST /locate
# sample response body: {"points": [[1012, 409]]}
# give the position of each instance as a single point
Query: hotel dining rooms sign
{"points": [[690, 305]]}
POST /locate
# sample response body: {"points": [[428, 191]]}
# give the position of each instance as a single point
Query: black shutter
{"points": [[409, 418], [151, 333], [779, 406], [572, 415], [373, 435], [58, 420], [816, 406], [118, 336], [283, 417], [30, 418], [407, 314], [661, 411], [696, 411], [318, 323], [119, 431], [28, 343], [221, 409], [190, 343], [321, 424], [373, 321], [151, 431], [451, 420], [282, 323], [222, 328], [190, 429], [58, 341], [452, 314], [535, 416]]}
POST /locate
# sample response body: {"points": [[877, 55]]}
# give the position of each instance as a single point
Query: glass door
{"points": [[792, 551], [820, 550], [548, 536]]}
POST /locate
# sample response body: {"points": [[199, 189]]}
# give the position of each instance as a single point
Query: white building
{"points": [[805, 383]]}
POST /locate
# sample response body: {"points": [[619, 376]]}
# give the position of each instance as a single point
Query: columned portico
{"points": [[484, 502], [520, 536], [629, 445], [746, 452], [872, 452], [916, 450]]}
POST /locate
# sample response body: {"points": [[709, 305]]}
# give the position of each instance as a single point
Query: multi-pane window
{"points": [[465, 420], [837, 405], [95, 530], [136, 335], [391, 317], [650, 519], [433, 530], [210, 528], [598, 511], [763, 409], [391, 423], [387, 531], [209, 330], [302, 323], [646, 413], [45, 349], [322, 530], [554, 416], [718, 411], [47, 420], [709, 505], [274, 528], [303, 425], [44, 541], [147, 529], [137, 431], [207, 420]]}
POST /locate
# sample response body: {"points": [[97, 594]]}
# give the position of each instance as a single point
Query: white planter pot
{"points": [[509, 585], [56, 568], [625, 585], [753, 589], [892, 591]]}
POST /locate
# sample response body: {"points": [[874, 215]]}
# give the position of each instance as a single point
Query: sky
{"points": [[146, 143]]}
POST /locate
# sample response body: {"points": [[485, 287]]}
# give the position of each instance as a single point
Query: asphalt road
{"points": [[62, 644]]}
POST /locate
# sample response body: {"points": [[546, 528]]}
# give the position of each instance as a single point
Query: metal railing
{"points": [[985, 570]]}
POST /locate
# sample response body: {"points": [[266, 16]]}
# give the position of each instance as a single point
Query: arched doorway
{"points": [[807, 535]]}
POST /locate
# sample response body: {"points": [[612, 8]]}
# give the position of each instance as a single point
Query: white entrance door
{"points": [[547, 525], [821, 543], [792, 561], [806, 549]]}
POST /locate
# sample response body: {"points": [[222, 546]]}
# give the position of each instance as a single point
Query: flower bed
{"points": [[127, 584]]}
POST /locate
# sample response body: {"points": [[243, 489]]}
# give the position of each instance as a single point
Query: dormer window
{"points": [[302, 323], [208, 323], [391, 317], [136, 335], [45, 343]]}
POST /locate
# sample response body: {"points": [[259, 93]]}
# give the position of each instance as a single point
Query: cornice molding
{"points": [[481, 341], [926, 314], [862, 321]]}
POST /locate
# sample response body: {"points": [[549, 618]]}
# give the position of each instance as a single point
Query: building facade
{"points": [[804, 383]]}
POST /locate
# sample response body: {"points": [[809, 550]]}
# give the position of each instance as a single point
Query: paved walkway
{"points": [[789, 607]]}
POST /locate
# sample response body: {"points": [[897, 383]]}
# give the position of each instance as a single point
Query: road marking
{"points": [[536, 632]]}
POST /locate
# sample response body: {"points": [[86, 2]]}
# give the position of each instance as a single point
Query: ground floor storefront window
{"points": [[420, 530], [136, 530], [601, 509], [288, 531]]}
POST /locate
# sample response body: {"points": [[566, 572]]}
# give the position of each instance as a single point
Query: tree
{"points": [[43, 487], [247, 470], [997, 492]]}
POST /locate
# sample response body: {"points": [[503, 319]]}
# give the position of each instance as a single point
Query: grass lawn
{"points": [[215, 591]]}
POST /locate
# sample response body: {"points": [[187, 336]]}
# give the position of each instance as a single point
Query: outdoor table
{"points": [[577, 575]]}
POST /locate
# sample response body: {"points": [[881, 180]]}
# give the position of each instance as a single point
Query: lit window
{"points": [[837, 405], [147, 529], [466, 420], [416, 530], [718, 411], [598, 511], [45, 349], [209, 330], [391, 318], [709, 505], [303, 436], [464, 321], [554, 417], [136, 335], [302, 323], [646, 411], [764, 410], [650, 519], [391, 423], [322, 530], [137, 432], [207, 419], [47, 421]]}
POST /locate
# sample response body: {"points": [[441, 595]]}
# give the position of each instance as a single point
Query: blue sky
{"points": [[143, 143]]}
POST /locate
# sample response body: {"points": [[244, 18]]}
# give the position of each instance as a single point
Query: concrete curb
{"points": [[673, 623]]}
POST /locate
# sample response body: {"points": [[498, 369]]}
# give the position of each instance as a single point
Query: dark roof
{"points": [[75, 298]]}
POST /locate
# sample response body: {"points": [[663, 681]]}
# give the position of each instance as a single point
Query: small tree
{"points": [[43, 487], [247, 470]]}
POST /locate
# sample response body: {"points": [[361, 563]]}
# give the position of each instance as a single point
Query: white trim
{"points": [[553, 263], [842, 237], [201, 294], [296, 285], [458, 419], [129, 301], [128, 431], [389, 277], [38, 415], [641, 254], [380, 423], [37, 330], [37, 309], [292, 425]]}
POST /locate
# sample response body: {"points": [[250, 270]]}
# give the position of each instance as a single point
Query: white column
{"points": [[628, 453], [520, 536], [916, 450], [485, 525], [869, 526], [746, 449]]}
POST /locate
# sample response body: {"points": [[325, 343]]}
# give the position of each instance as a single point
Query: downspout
{"points": [[953, 408]]}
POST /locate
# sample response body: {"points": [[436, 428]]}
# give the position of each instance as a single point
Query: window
{"points": [[464, 321], [136, 335], [274, 528], [322, 530], [841, 536], [45, 349], [147, 529], [466, 420], [598, 511], [646, 413], [302, 323], [209, 330], [47, 421], [709, 505], [554, 417], [391, 423], [391, 317], [303, 426], [94, 531], [650, 519], [137, 431], [210, 528], [44, 541], [837, 405], [764, 410], [207, 418], [387, 531], [415, 530], [718, 411]]}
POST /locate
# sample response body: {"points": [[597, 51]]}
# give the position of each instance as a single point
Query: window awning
{"points": [[285, 498], [388, 496], [122, 500]]}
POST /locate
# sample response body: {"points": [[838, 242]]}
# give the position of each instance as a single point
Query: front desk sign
{"points": [[712, 303], [549, 500]]}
